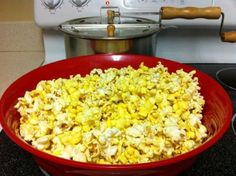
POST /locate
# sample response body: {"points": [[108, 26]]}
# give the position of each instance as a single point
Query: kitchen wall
{"points": [[16, 10], [21, 44]]}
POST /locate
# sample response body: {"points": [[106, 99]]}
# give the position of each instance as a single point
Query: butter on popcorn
{"points": [[115, 116]]}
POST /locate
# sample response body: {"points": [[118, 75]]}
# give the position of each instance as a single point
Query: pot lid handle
{"points": [[111, 30]]}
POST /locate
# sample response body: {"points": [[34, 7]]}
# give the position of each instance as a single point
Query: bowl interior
{"points": [[217, 110]]}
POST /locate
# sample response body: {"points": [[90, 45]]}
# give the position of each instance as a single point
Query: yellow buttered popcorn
{"points": [[115, 116]]}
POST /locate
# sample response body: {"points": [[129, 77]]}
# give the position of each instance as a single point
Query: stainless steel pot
{"points": [[85, 36], [113, 33], [77, 46]]}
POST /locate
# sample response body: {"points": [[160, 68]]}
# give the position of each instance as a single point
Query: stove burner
{"points": [[226, 77]]}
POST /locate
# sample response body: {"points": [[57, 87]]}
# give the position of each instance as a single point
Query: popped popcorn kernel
{"points": [[115, 116]]}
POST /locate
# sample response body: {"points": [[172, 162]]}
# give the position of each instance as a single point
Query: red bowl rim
{"points": [[39, 154]]}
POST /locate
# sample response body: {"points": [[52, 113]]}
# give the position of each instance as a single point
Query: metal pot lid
{"points": [[125, 28]]}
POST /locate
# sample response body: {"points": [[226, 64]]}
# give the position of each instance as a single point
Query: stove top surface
{"points": [[219, 160]]}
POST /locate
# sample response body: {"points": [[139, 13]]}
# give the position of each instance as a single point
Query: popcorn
{"points": [[115, 116]]}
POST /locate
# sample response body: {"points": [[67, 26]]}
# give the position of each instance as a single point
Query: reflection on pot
{"points": [[112, 46]]}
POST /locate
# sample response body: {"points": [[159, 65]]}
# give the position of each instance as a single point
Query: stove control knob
{"points": [[52, 4], [79, 3]]}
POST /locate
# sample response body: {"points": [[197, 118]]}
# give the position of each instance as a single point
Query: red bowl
{"points": [[217, 115]]}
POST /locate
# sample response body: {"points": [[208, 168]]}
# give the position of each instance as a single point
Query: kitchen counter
{"points": [[219, 160]]}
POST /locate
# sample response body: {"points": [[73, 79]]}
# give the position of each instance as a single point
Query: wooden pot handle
{"points": [[228, 36], [168, 13]]}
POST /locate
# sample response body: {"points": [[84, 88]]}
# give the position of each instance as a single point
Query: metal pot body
{"points": [[76, 46]]}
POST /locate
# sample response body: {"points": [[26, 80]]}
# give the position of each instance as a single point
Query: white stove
{"points": [[194, 41]]}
